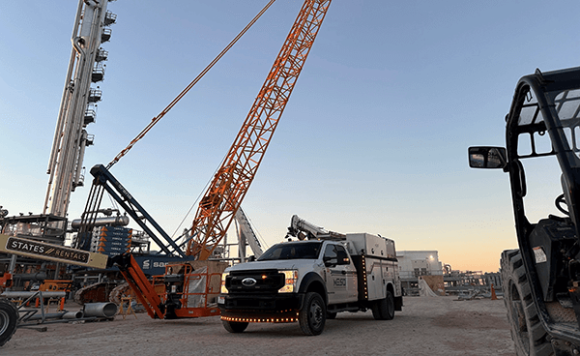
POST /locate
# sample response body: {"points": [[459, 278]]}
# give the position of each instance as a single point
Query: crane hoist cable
{"points": [[157, 118]]}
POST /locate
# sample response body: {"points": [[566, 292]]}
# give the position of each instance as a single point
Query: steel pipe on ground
{"points": [[26, 294], [103, 310], [39, 316], [73, 315]]}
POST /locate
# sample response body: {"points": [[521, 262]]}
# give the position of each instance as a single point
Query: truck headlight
{"points": [[223, 289], [290, 281]]}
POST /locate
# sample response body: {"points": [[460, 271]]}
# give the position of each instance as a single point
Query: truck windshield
{"points": [[292, 251]]}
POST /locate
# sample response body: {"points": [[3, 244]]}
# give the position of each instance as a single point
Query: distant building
{"points": [[413, 264]]}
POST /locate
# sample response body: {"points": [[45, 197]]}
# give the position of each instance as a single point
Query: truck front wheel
{"points": [[384, 309], [312, 316], [234, 327], [8, 321], [527, 330]]}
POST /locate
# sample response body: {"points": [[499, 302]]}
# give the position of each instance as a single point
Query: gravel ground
{"points": [[426, 326]]}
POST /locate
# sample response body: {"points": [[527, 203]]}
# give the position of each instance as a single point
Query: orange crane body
{"points": [[230, 184]]}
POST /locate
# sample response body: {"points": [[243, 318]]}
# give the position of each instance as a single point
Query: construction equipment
{"points": [[541, 279], [78, 104], [45, 233], [190, 288], [229, 186], [44, 251], [80, 96], [308, 281], [246, 236], [104, 180], [303, 229]]}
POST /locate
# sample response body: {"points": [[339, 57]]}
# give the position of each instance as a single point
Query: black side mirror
{"points": [[343, 258], [330, 261], [487, 157]]}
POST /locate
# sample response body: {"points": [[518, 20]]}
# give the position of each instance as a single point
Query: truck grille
{"points": [[265, 281]]}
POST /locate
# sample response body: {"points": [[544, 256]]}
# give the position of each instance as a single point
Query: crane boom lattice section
{"points": [[232, 180]]}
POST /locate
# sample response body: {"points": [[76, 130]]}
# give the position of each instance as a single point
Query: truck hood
{"points": [[274, 264]]}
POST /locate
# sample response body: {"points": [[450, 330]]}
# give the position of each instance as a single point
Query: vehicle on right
{"points": [[541, 279]]}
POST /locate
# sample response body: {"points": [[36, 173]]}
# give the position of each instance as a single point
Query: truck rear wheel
{"points": [[312, 316], [527, 330], [234, 327], [384, 309], [8, 321]]}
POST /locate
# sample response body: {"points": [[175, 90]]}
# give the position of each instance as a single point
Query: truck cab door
{"points": [[349, 270], [339, 274]]}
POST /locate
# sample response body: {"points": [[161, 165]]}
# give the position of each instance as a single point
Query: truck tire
{"points": [[234, 327], [8, 321], [312, 316], [384, 309], [527, 331]]}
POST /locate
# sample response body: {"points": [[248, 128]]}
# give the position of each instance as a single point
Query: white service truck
{"points": [[311, 279]]}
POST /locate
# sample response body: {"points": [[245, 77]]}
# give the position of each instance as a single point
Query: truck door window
{"points": [[330, 255], [342, 256]]}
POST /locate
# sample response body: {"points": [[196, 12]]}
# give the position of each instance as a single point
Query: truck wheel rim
{"points": [[4, 321], [315, 314]]}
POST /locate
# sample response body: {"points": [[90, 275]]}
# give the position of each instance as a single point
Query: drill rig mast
{"points": [[78, 104]]}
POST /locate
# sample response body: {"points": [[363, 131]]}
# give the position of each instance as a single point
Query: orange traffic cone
{"points": [[493, 295]]}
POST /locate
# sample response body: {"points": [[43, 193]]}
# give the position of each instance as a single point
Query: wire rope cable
{"points": [[157, 118]]}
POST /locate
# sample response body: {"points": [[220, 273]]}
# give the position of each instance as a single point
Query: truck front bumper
{"points": [[275, 308]]}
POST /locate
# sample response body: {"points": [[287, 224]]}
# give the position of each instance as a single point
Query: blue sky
{"points": [[374, 137]]}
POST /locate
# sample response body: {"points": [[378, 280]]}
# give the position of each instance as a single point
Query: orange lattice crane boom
{"points": [[230, 184]]}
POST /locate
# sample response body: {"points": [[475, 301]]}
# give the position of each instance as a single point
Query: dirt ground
{"points": [[426, 326]]}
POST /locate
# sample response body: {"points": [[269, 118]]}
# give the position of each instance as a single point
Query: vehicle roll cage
{"points": [[544, 87]]}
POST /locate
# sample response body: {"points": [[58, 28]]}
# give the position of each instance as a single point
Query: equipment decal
{"points": [[340, 282], [40, 249]]}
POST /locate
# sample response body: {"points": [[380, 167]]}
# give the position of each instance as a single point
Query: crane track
{"points": [[94, 293]]}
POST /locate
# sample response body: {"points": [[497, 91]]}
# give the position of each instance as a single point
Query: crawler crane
{"points": [[184, 295]]}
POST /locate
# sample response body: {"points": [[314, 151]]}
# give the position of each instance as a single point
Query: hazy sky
{"points": [[374, 138]]}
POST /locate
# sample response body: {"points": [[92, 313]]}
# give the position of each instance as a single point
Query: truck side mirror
{"points": [[487, 157], [342, 258], [330, 261]]}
